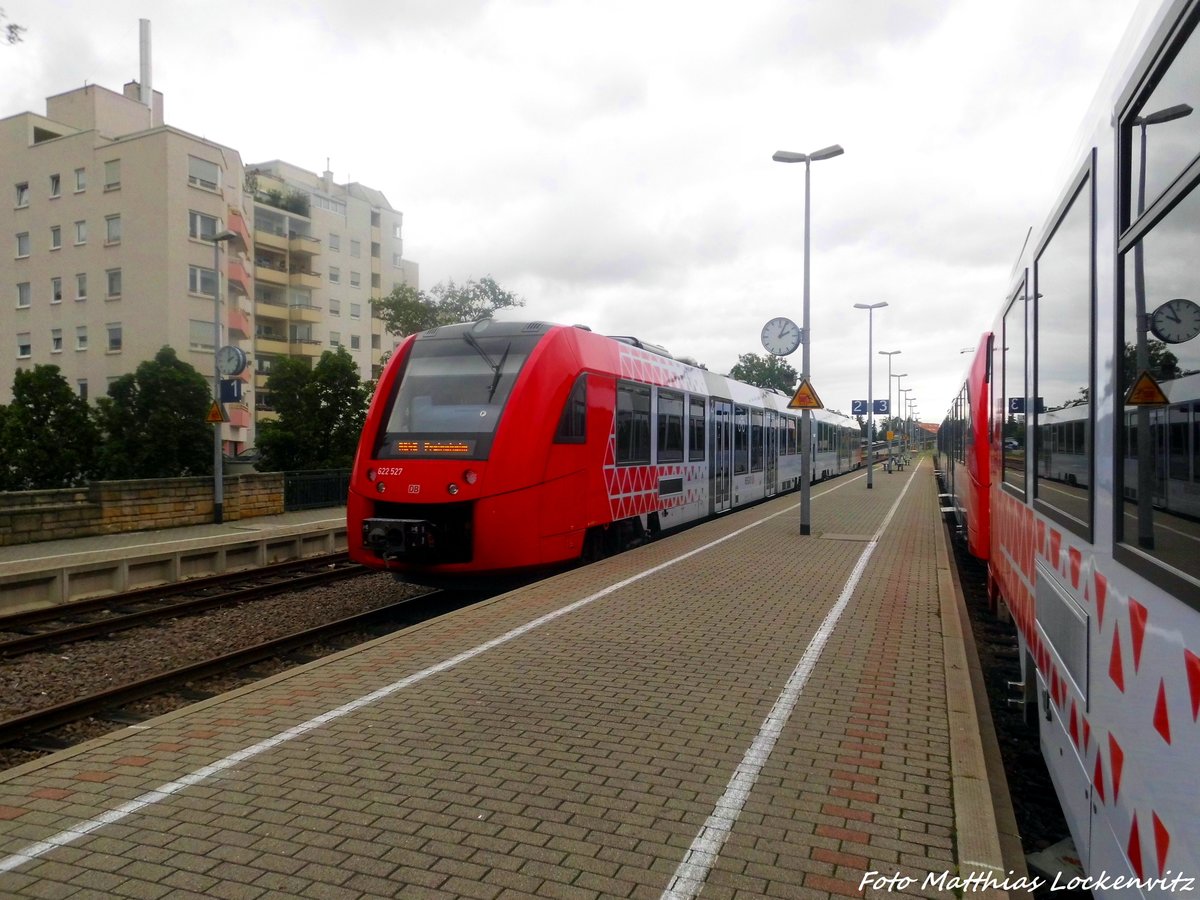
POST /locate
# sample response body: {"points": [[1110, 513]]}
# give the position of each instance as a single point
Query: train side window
{"points": [[756, 440], [1063, 330], [741, 440], [633, 423], [572, 425], [1159, 324], [670, 426], [696, 436], [1013, 362]]}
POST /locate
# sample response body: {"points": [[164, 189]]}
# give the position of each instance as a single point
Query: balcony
{"points": [[237, 224], [269, 274], [306, 313], [239, 278], [306, 347], [260, 380], [304, 244], [239, 324], [239, 415], [271, 239], [265, 309], [272, 343], [310, 280]]}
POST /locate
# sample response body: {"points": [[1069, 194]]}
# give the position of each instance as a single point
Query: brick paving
{"points": [[578, 759]]}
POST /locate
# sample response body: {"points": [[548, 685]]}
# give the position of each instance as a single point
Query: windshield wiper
{"points": [[499, 369]]}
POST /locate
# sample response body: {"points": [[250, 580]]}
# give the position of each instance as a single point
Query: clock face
{"points": [[781, 336], [1176, 321], [231, 360]]}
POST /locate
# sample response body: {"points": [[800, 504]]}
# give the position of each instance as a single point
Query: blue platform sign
{"points": [[858, 407], [881, 407], [231, 390]]}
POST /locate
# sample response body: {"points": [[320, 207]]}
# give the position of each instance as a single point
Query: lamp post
{"points": [[1145, 443], [218, 473], [904, 424], [788, 156], [898, 404], [891, 412], [870, 308]]}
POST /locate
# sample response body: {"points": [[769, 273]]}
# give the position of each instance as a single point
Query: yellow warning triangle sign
{"points": [[216, 413], [1145, 392], [805, 397]]}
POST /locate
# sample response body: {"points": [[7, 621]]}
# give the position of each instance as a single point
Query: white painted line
{"points": [[165, 791], [693, 870]]}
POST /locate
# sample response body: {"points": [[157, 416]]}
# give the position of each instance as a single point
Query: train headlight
{"points": [[371, 475], [380, 487], [452, 488], [470, 476]]}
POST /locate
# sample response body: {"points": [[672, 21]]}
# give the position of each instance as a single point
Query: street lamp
{"points": [[870, 308], [905, 392], [218, 473], [898, 404], [1145, 443], [891, 412], [787, 156]]}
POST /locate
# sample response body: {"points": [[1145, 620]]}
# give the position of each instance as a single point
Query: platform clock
{"points": [[780, 336], [231, 361], [1176, 321]]}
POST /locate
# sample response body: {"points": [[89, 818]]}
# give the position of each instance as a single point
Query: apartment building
{"points": [[111, 255]]}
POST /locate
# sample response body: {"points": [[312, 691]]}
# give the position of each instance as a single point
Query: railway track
{"points": [[44, 629], [106, 704]]}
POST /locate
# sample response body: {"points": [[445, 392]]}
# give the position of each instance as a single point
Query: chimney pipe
{"points": [[147, 95]]}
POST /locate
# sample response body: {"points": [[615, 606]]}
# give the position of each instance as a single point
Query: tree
{"points": [[153, 421], [1164, 365], [47, 433], [407, 310], [12, 31], [765, 372], [321, 414]]}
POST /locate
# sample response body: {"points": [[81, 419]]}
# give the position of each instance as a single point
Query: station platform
{"points": [[51, 572], [735, 708]]}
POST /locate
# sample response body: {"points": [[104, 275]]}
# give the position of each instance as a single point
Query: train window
{"points": [[572, 425], [697, 440], [633, 423], [792, 436], [756, 440], [1013, 467], [1159, 285], [741, 440], [670, 426], [1063, 338]]}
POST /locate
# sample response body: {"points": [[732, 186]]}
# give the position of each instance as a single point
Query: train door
{"points": [[722, 455], [772, 458]]}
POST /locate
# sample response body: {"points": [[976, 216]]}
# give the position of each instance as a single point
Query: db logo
{"points": [[414, 489]]}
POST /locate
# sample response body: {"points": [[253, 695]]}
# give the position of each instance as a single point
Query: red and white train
{"points": [[500, 446], [1086, 506]]}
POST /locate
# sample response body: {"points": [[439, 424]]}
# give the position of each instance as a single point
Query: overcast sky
{"points": [[610, 160]]}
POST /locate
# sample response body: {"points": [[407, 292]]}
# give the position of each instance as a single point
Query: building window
{"points": [[335, 307], [23, 194], [201, 226], [397, 260], [22, 244], [55, 237], [335, 241], [375, 219], [335, 275], [82, 389], [112, 174], [114, 337], [114, 283], [355, 279], [80, 337], [112, 229], [56, 340], [200, 335], [80, 232], [55, 186], [375, 249], [356, 248], [356, 310], [375, 342], [396, 230], [80, 180], [203, 173], [56, 290], [24, 295], [375, 281], [335, 339], [202, 281], [355, 342], [81, 286], [24, 347]]}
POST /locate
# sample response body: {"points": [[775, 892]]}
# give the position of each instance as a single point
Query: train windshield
{"points": [[451, 394]]}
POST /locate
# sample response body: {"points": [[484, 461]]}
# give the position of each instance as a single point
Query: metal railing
{"points": [[314, 489]]}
